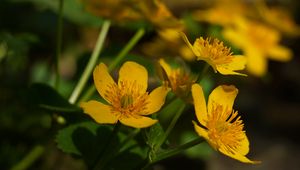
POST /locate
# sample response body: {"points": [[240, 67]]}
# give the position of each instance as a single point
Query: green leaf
{"points": [[154, 135], [48, 98], [85, 139]]}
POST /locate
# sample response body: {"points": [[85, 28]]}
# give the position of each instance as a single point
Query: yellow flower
{"points": [[128, 101], [223, 12], [220, 125], [217, 55], [178, 79], [259, 43], [279, 18], [168, 43], [118, 10]]}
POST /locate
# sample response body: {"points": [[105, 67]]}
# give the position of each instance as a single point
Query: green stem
{"points": [[174, 151], [59, 42], [30, 158], [203, 72], [101, 161], [91, 64], [170, 127], [132, 42]]}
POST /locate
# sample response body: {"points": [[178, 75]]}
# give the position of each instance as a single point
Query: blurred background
{"points": [[268, 104]]}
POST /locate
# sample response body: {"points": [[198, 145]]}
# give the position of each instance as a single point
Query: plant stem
{"points": [[92, 62], [30, 158], [203, 72], [59, 42], [132, 42], [170, 127], [174, 151]]}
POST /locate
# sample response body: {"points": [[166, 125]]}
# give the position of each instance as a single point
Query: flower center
{"points": [[213, 51], [225, 128], [180, 82], [127, 99]]}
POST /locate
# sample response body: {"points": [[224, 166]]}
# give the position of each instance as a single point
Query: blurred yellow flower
{"points": [[158, 13], [178, 79], [217, 55], [223, 12], [168, 43], [220, 126], [279, 18], [118, 10], [154, 11], [128, 101], [259, 42]]}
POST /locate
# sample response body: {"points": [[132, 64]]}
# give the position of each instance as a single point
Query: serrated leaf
{"points": [[154, 135]]}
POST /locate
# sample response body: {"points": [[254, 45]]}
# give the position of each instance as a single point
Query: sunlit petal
{"points": [[103, 81], [199, 103], [223, 95], [101, 113], [156, 99], [132, 72], [138, 121]]}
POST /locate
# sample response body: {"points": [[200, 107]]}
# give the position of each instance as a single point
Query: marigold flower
{"points": [[217, 55], [128, 101], [220, 125], [178, 79], [259, 42]]}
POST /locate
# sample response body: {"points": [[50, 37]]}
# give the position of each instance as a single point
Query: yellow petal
{"points": [[223, 95], [102, 80], [132, 72], [237, 63], [199, 103], [138, 121], [256, 62], [235, 37], [200, 131], [243, 149], [192, 47], [165, 66], [156, 99], [101, 113], [280, 53], [237, 156]]}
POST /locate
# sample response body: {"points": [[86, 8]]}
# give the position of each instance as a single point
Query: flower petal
{"points": [[100, 112], [103, 80], [138, 122], [165, 66], [199, 103], [237, 63], [237, 156], [133, 72], [256, 62], [156, 99], [223, 95], [200, 131], [280, 53], [192, 47]]}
